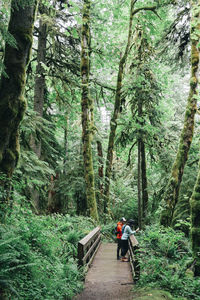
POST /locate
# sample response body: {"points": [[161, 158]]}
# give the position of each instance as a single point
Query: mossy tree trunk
{"points": [[195, 228], [113, 121], [173, 186], [139, 185], [87, 112], [142, 176], [12, 102], [39, 93], [39, 89], [145, 197], [12, 86]]}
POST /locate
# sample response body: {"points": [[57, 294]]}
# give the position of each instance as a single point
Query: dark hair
{"points": [[131, 222]]}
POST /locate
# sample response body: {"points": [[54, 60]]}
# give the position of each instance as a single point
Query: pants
{"points": [[118, 247], [124, 246]]}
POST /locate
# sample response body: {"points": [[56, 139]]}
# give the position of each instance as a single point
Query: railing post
{"points": [[80, 254], [133, 250], [88, 246]]}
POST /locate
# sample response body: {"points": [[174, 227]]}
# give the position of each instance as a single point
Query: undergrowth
{"points": [[166, 262], [38, 256]]}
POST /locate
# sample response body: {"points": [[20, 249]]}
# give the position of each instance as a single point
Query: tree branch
{"points": [[151, 8], [129, 154]]}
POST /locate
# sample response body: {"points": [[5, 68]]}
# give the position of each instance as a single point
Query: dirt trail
{"points": [[107, 278]]}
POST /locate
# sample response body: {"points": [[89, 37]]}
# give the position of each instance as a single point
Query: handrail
{"points": [[88, 246], [133, 250]]}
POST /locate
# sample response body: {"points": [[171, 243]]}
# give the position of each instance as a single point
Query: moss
{"points": [[13, 104], [193, 82], [87, 113], [172, 190], [148, 294]]}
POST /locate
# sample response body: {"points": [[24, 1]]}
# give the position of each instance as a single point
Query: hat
{"points": [[123, 219]]}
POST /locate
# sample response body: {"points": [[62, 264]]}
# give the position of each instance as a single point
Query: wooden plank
{"points": [[91, 249], [133, 240], [91, 259], [88, 243], [89, 236]]}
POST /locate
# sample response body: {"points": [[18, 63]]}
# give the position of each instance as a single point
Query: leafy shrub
{"points": [[38, 255], [165, 257]]}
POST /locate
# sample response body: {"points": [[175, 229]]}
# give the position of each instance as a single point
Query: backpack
{"points": [[115, 232], [123, 228]]}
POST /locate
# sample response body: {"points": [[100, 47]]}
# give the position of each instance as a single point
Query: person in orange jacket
{"points": [[119, 235]]}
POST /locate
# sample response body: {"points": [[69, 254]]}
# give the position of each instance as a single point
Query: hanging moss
{"points": [[172, 190]]}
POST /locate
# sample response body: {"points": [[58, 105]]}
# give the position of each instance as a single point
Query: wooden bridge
{"points": [[107, 278]]}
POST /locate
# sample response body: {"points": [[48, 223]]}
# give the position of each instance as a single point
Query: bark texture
{"points": [[87, 112], [39, 90], [139, 186], [173, 186], [12, 102], [195, 228], [145, 197]]}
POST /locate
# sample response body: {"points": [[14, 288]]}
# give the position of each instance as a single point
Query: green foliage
{"points": [[38, 255], [166, 262]]}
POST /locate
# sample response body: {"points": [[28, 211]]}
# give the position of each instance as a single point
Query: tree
{"points": [[12, 102], [12, 86], [118, 97], [171, 195], [87, 112], [195, 226], [39, 89]]}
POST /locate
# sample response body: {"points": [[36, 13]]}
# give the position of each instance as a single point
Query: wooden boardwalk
{"points": [[108, 278]]}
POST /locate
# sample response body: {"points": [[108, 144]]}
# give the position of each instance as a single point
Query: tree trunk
{"points": [[100, 178], [65, 142], [144, 181], [113, 121], [12, 102], [100, 168], [140, 213], [87, 113], [173, 187], [12, 86], [39, 92], [195, 226]]}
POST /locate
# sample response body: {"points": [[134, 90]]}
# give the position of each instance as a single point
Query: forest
{"points": [[99, 119]]}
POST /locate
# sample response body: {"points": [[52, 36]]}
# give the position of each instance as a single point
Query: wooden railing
{"points": [[133, 250], [88, 246]]}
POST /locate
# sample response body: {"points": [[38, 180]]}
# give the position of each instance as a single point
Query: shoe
{"points": [[124, 260]]}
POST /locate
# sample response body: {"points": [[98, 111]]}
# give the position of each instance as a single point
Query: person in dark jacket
{"points": [[119, 235]]}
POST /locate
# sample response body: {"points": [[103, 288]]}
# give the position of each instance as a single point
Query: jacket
{"points": [[119, 230]]}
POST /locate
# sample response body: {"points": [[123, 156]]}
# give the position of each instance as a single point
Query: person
{"points": [[119, 235], [127, 231]]}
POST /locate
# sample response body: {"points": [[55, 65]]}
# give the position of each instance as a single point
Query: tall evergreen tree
{"points": [[195, 228], [172, 190], [87, 112], [118, 97]]}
